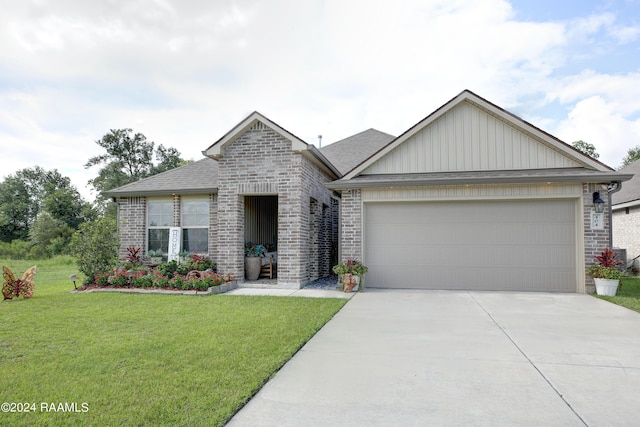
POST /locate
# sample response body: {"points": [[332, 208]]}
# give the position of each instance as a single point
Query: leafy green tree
{"points": [[30, 191], [16, 211], [68, 206], [49, 236], [586, 148], [633, 154], [95, 247], [129, 157], [167, 158]]}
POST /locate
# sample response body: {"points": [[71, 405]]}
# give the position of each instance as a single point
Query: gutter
{"points": [[386, 182], [152, 193]]}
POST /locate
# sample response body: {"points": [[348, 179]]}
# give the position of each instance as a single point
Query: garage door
{"points": [[479, 245]]}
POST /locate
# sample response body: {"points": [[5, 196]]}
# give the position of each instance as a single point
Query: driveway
{"points": [[419, 358]]}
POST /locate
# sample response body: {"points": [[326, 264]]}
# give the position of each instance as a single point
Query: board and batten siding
{"points": [[473, 192], [469, 138]]}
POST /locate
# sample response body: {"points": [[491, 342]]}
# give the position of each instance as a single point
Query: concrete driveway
{"points": [[421, 358]]}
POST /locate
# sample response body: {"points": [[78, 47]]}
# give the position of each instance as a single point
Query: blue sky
{"points": [[183, 72]]}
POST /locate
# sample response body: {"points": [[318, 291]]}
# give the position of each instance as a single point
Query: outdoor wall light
{"points": [[598, 203]]}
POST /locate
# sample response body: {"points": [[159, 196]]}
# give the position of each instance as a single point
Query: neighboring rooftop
{"points": [[630, 191], [350, 152], [197, 177]]}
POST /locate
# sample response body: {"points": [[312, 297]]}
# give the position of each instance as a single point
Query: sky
{"points": [[184, 72]]}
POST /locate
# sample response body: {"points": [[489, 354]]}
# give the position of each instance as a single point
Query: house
{"points": [[471, 197], [626, 214]]}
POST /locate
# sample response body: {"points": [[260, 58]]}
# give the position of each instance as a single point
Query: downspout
{"points": [[612, 187]]}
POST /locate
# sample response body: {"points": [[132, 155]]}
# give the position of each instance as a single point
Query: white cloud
{"points": [[600, 122], [184, 72]]}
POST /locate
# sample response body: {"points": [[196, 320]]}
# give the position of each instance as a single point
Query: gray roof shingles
{"points": [[197, 177], [631, 189], [348, 153]]}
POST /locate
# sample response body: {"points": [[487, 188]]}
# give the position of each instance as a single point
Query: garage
{"points": [[501, 245]]}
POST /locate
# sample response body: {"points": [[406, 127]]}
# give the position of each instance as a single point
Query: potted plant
{"points": [[606, 273], [252, 260], [155, 255], [350, 272]]}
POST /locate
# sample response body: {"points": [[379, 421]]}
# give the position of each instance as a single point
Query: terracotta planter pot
{"points": [[350, 282], [252, 267]]}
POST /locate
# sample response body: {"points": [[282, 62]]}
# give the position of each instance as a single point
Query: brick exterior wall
{"points": [[626, 231], [213, 227], [351, 233], [261, 162], [132, 218], [594, 240]]}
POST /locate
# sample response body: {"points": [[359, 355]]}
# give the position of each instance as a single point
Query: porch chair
{"points": [[268, 266]]}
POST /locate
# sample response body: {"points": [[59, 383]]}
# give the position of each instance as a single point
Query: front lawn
{"points": [[628, 294], [122, 359]]}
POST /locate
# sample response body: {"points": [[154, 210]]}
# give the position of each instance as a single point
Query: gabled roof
{"points": [[216, 150], [199, 177], [629, 195], [468, 96], [350, 152]]}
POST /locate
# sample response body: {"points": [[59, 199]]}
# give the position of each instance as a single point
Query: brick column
{"points": [[352, 224], [594, 240]]}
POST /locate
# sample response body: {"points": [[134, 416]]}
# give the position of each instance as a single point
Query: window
{"points": [[159, 219], [195, 225]]}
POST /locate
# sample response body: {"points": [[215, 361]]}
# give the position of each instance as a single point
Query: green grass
{"points": [[143, 359], [628, 294]]}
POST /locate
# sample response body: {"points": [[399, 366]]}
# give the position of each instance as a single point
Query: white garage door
{"points": [[527, 245]]}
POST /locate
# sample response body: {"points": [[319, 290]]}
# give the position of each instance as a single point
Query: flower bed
{"points": [[156, 278]]}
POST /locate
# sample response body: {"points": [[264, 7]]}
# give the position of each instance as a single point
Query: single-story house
{"points": [[626, 213], [470, 197]]}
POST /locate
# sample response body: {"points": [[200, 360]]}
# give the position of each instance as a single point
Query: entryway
{"points": [[261, 228]]}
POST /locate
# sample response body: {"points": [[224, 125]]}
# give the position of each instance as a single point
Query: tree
{"points": [[27, 193], [586, 148], [68, 206], [16, 210], [49, 236], [168, 158], [129, 157], [633, 154]]}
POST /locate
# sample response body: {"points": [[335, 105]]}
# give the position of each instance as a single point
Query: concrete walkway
{"points": [[432, 358], [308, 293]]}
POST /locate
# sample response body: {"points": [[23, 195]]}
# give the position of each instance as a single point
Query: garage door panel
{"points": [[483, 245]]}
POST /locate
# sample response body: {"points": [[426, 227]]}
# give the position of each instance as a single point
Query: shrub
{"points": [[168, 268], [176, 282], [101, 279], [95, 247], [16, 249], [119, 277], [200, 263], [142, 279]]}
